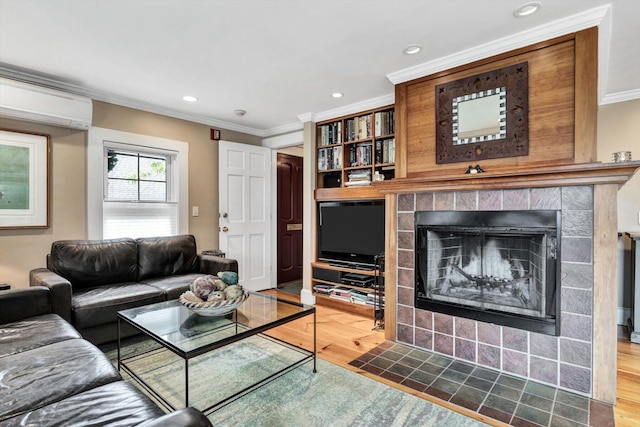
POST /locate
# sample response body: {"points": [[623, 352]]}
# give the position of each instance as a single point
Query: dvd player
{"points": [[362, 280]]}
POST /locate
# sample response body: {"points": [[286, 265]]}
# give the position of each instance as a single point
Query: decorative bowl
{"points": [[214, 308]]}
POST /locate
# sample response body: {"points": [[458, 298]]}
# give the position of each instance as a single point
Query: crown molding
{"points": [[628, 95], [286, 140], [560, 27], [291, 127], [368, 104], [307, 117]]}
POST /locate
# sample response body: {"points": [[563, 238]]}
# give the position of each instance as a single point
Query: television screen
{"points": [[351, 232]]}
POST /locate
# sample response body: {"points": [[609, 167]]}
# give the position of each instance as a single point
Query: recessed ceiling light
{"points": [[337, 94], [527, 9], [412, 49], [189, 98], [239, 113]]}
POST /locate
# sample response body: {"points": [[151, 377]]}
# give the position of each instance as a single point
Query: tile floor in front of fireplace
{"points": [[512, 400]]}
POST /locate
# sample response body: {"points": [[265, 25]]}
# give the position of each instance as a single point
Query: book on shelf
{"points": [[359, 178], [385, 150], [340, 293], [358, 128], [329, 158], [323, 289], [330, 134], [358, 297], [373, 299], [360, 155], [384, 122], [362, 174], [357, 183]]}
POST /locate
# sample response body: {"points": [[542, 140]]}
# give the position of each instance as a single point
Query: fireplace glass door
{"points": [[488, 270], [488, 265]]}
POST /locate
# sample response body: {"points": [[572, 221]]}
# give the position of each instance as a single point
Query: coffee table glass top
{"points": [[190, 334]]}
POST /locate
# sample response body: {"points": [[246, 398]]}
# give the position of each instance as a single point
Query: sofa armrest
{"points": [[184, 417], [60, 290], [211, 264], [22, 303]]}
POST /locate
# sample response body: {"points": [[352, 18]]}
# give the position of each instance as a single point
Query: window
{"points": [[137, 186], [135, 176], [138, 199]]}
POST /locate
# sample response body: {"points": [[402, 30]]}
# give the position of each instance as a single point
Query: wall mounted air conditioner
{"points": [[24, 101]]}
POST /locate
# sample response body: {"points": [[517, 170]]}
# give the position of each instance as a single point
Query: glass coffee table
{"points": [[219, 359]]}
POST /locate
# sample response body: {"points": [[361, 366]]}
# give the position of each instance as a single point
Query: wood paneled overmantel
{"points": [[551, 176]]}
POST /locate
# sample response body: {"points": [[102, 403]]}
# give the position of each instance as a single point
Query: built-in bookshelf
{"points": [[353, 151]]}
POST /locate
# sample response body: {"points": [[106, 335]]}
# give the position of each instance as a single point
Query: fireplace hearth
{"points": [[494, 266]]}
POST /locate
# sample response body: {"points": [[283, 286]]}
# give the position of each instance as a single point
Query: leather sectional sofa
{"points": [[50, 376], [94, 279]]}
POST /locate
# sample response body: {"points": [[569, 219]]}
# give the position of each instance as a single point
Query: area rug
{"points": [[333, 396]]}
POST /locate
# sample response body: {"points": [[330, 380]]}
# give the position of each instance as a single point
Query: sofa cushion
{"points": [[115, 404], [173, 286], [90, 263], [97, 306], [44, 375], [34, 332], [166, 256]]}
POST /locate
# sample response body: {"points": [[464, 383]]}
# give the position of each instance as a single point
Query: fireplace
{"points": [[499, 267]]}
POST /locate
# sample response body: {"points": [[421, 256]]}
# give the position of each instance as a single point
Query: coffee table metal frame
{"points": [[242, 331]]}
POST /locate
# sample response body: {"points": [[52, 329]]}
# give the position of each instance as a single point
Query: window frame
{"points": [[170, 178], [97, 169]]}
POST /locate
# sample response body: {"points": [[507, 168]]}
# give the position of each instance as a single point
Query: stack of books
{"points": [[340, 293], [359, 178], [323, 289]]}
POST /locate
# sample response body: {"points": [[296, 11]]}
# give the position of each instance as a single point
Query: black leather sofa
{"points": [[50, 376], [94, 279]]}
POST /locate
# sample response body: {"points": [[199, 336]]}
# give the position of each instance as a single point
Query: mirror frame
{"points": [[515, 80]]}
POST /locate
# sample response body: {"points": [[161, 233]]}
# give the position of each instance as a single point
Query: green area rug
{"points": [[333, 396]]}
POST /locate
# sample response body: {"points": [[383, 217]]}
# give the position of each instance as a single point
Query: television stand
{"points": [[347, 287]]}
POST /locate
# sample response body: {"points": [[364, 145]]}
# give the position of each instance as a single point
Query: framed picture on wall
{"points": [[24, 180]]}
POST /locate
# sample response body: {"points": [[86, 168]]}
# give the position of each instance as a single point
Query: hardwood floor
{"points": [[341, 337], [627, 409]]}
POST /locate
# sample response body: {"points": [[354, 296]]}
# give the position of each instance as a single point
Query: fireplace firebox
{"points": [[499, 267]]}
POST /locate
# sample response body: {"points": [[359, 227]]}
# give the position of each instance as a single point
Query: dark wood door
{"points": [[289, 218]]}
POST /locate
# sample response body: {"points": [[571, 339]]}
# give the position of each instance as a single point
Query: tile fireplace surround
{"points": [[563, 361], [582, 358]]}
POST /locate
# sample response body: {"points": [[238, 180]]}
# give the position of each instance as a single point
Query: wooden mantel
{"points": [[548, 176]]}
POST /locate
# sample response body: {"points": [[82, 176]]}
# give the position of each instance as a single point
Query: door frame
{"points": [[276, 143]]}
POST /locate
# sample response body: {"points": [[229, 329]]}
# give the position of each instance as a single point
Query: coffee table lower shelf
{"points": [[123, 367]]}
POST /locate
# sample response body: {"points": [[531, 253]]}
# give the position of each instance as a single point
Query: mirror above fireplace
{"points": [[484, 116]]}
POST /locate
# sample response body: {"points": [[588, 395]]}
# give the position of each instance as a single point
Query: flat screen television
{"points": [[351, 233]]}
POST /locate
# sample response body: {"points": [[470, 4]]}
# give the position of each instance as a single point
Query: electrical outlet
{"points": [[195, 211]]}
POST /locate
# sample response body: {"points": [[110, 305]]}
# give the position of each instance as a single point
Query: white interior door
{"points": [[245, 211]]}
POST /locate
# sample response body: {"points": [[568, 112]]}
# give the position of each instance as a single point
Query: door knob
{"points": [[225, 229]]}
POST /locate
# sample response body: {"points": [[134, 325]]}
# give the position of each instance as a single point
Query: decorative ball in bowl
{"points": [[213, 296]]}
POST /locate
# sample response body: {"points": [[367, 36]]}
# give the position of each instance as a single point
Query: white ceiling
{"points": [[280, 60]]}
